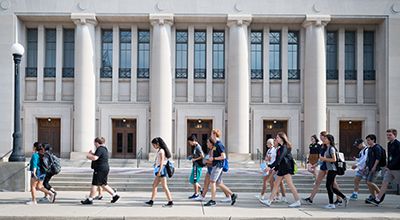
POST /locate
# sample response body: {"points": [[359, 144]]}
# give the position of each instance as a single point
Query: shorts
{"points": [[195, 175], [359, 174], [392, 175], [283, 173], [323, 166], [39, 175], [209, 169], [100, 178], [163, 173], [216, 174], [371, 177]]}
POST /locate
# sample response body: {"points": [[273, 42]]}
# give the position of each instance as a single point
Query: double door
{"points": [[202, 130], [349, 131], [124, 138], [271, 129]]}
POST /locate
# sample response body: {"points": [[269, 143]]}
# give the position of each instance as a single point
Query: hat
{"points": [[358, 141]]}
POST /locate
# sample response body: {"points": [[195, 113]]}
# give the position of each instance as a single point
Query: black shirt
{"points": [[101, 164]]}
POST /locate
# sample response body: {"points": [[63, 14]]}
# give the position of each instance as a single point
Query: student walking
{"points": [[101, 169], [362, 158], [37, 176], [392, 171], [372, 167], [160, 171], [285, 165], [218, 158], [49, 174], [313, 157], [197, 167], [330, 159]]}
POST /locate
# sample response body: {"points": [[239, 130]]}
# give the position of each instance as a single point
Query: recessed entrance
{"points": [[349, 131], [124, 138], [49, 130], [271, 129], [202, 130]]}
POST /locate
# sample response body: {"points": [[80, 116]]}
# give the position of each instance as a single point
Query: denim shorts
{"points": [[209, 169], [359, 174], [39, 175]]}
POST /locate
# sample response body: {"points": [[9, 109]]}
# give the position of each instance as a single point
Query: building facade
{"points": [[133, 70]]}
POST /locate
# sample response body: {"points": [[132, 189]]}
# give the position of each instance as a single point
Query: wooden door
{"points": [[348, 133], [271, 129], [202, 130], [49, 130], [124, 138]]}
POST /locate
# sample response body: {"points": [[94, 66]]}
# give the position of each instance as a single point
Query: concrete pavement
{"points": [[130, 206]]}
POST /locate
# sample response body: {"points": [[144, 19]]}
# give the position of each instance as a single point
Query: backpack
{"points": [[55, 164], [45, 164], [340, 163], [170, 169], [382, 160], [225, 168], [294, 166]]}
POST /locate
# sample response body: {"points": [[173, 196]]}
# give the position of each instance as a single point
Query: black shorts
{"points": [[99, 178], [283, 173]]}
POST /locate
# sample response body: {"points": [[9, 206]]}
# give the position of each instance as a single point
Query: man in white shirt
{"points": [[362, 158]]}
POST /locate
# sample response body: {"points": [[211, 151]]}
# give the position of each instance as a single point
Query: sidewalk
{"points": [[130, 206]]}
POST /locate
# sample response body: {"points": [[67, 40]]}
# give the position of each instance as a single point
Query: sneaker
{"points": [[98, 197], [369, 199], [383, 197], [346, 201], [266, 202], [227, 199], [31, 203], [115, 190], [375, 203], [338, 203], [200, 198], [210, 203], [259, 196], [168, 205], [52, 198], [282, 200], [149, 203], [233, 197], [201, 192], [115, 198], [329, 206], [193, 196], [295, 204], [274, 200], [307, 200], [354, 197], [87, 202], [44, 199]]}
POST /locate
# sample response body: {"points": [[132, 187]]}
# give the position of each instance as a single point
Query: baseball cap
{"points": [[358, 141]]}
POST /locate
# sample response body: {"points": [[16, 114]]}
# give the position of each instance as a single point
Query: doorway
{"points": [[271, 129], [349, 131], [49, 130], [124, 138], [202, 130]]}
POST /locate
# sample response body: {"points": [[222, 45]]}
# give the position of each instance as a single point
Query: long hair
{"points": [[323, 134], [315, 138], [283, 136], [162, 145], [211, 141], [36, 145], [331, 139]]}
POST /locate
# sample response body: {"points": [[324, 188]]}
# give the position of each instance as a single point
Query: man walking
{"points": [[372, 167], [101, 168], [197, 158], [362, 157]]}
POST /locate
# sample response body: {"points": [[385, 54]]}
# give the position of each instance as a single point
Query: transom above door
{"points": [[124, 138], [202, 130]]}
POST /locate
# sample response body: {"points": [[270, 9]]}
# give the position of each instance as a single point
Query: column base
{"points": [[237, 157], [17, 176], [78, 155]]}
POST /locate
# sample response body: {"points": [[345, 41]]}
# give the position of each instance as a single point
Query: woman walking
{"points": [[49, 174], [313, 157], [160, 171], [330, 159], [284, 165]]}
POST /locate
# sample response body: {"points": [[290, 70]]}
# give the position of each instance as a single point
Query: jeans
{"points": [[330, 179]]}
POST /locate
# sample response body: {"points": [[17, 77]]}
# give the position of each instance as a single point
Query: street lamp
{"points": [[17, 156]]}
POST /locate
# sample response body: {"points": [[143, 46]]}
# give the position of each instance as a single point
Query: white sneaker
{"points": [[295, 204], [31, 203], [282, 200], [329, 206], [259, 196], [44, 199], [227, 199], [266, 202], [200, 198]]}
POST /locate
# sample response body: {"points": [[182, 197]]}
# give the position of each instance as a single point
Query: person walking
{"points": [[360, 174], [101, 169], [160, 171], [197, 167], [49, 174], [330, 159], [285, 165], [372, 167], [218, 158], [313, 156]]}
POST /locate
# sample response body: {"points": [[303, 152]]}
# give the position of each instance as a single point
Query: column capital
{"points": [[83, 18], [161, 19], [316, 20], [239, 20]]}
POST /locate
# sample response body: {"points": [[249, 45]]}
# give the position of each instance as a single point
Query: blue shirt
{"points": [[218, 149], [394, 155], [34, 162]]}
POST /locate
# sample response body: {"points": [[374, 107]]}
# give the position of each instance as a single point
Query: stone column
{"points": [[161, 80], [314, 76], [238, 88], [85, 85]]}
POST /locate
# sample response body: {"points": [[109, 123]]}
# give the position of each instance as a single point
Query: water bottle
{"points": [[320, 163]]}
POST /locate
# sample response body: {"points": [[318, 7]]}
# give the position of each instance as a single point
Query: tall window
{"points": [[256, 55], [293, 55], [125, 54], [275, 55], [200, 54], [218, 55], [350, 56], [31, 67], [331, 55], [181, 54], [107, 53], [369, 67], [143, 54], [69, 53], [50, 62]]}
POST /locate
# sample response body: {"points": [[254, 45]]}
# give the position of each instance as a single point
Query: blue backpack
{"points": [[225, 168]]}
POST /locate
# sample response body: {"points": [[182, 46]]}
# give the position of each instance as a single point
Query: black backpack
{"points": [[382, 160], [55, 164], [45, 164]]}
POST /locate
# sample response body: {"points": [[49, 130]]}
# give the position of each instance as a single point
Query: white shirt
{"points": [[362, 158], [271, 153]]}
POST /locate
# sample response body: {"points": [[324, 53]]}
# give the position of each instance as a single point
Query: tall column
{"points": [[315, 76], [85, 84], [238, 88], [161, 79]]}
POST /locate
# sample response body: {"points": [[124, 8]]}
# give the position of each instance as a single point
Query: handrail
{"points": [[179, 158], [303, 158], [6, 154], [259, 155], [139, 157]]}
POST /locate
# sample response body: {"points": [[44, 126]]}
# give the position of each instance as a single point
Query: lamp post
{"points": [[17, 156]]}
